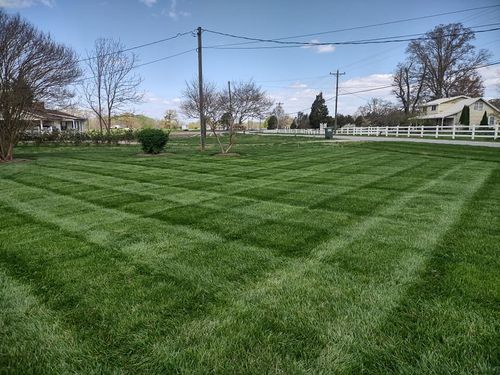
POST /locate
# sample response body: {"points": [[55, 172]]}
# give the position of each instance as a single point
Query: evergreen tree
{"points": [[465, 116], [272, 122], [294, 124], [319, 112], [484, 120]]}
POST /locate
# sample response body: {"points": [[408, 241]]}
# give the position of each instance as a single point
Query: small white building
{"points": [[447, 111]]}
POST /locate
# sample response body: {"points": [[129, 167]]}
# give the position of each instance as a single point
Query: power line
{"points": [[379, 24], [296, 79], [178, 35], [147, 63], [295, 44]]}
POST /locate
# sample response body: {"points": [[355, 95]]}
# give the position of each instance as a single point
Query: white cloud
{"points": [[25, 3], [155, 105], [491, 80], [298, 85], [148, 3], [323, 48], [173, 12]]}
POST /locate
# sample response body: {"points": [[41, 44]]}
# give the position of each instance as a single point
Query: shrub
{"points": [[77, 138], [465, 116], [153, 141], [484, 120]]}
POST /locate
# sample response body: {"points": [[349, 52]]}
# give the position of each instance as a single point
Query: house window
{"points": [[491, 120], [478, 106], [433, 107]]}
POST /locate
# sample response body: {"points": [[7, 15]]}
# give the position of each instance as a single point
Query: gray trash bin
{"points": [[328, 133]]}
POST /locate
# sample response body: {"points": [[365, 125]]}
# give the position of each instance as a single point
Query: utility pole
{"points": [[203, 129], [336, 94], [230, 108], [230, 99]]}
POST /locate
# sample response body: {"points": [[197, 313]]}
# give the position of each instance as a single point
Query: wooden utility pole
{"points": [[203, 129], [230, 100], [337, 74]]}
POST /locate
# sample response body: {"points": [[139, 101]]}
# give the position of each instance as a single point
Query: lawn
{"points": [[296, 257]]}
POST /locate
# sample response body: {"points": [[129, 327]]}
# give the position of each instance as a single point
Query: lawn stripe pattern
{"points": [[297, 257]]}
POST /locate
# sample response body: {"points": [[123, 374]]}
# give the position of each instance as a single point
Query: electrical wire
{"points": [[295, 44], [178, 35], [147, 63], [379, 24]]}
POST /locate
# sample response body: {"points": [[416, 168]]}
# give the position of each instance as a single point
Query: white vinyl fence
{"points": [[413, 131]]}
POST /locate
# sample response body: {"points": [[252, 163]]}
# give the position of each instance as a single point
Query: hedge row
{"points": [[74, 138]]}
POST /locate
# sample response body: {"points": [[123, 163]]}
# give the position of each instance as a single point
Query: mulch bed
{"points": [[144, 155]]}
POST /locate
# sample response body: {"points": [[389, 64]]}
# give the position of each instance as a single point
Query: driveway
{"points": [[418, 140]]}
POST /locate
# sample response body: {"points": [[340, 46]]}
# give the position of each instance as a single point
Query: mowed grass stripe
{"points": [[153, 297], [263, 308], [115, 181], [139, 282], [183, 172], [27, 326], [449, 321]]}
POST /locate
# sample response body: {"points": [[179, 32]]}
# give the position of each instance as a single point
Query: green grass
{"points": [[296, 257]]}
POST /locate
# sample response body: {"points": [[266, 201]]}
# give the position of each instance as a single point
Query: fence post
{"points": [[421, 131], [495, 135], [453, 129], [437, 131], [408, 131], [473, 131], [397, 130], [386, 131]]}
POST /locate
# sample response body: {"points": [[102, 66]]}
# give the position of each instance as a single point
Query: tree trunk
{"points": [[6, 148]]}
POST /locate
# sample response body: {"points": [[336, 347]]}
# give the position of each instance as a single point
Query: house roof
{"points": [[53, 115], [444, 100]]}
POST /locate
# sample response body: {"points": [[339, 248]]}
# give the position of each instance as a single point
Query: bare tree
{"points": [[380, 112], [112, 86], [248, 101], [171, 119], [33, 68], [215, 106], [450, 60], [409, 85]]}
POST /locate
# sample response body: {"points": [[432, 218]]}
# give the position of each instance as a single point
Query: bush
{"points": [[153, 141], [116, 136]]}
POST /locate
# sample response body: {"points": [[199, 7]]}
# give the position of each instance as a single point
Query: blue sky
{"points": [[291, 75]]}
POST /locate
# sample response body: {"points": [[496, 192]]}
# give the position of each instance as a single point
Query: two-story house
{"points": [[447, 111]]}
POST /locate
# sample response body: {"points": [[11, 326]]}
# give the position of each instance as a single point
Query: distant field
{"points": [[296, 257]]}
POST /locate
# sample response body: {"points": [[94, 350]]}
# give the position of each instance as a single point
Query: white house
{"points": [[49, 120], [447, 111]]}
